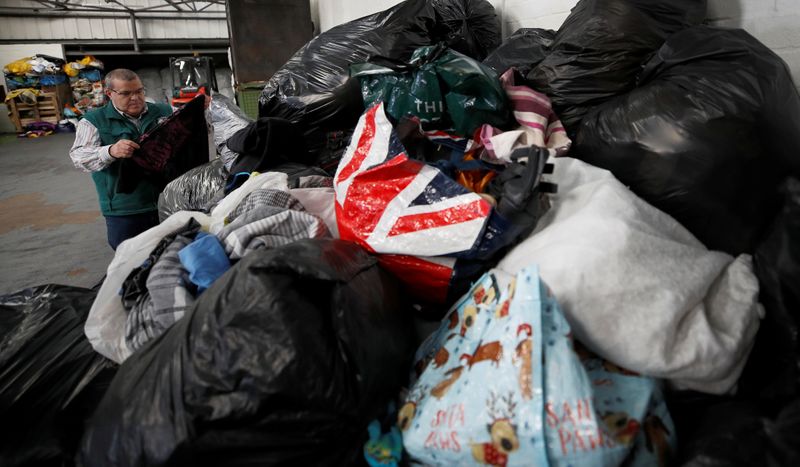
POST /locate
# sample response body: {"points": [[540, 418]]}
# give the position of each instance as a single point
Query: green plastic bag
{"points": [[443, 88]]}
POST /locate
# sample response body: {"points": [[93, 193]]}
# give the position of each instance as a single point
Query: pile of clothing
{"points": [[596, 265], [86, 81], [35, 72]]}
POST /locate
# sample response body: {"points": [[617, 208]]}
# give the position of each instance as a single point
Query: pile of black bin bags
{"points": [[703, 123], [313, 88], [50, 377], [283, 361], [290, 354]]}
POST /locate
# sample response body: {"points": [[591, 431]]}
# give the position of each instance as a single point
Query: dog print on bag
{"points": [[502, 433]]}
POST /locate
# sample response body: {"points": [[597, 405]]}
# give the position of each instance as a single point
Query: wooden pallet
{"points": [[46, 109], [63, 93]]}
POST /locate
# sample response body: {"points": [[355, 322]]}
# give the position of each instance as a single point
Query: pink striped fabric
{"points": [[539, 125]]}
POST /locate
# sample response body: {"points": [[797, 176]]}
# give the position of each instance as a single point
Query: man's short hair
{"points": [[121, 74]]}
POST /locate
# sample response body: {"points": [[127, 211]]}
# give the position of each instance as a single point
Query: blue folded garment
{"points": [[205, 259]]}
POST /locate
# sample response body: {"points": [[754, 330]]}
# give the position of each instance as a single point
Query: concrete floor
{"points": [[51, 230]]}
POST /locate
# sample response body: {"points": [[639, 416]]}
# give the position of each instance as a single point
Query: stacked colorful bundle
{"points": [[86, 80], [34, 72]]}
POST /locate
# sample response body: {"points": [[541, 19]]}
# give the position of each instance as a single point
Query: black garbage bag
{"points": [[226, 119], [193, 191], [313, 88], [469, 26], [706, 137], [773, 368], [283, 361], [50, 377], [265, 143], [523, 50], [723, 431], [599, 50]]}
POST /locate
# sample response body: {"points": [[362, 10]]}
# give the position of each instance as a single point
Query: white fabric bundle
{"points": [[639, 289]]}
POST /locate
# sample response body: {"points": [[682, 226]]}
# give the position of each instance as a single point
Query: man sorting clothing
{"points": [[107, 135]]}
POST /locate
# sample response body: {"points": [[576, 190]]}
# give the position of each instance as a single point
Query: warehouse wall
{"points": [[516, 13], [776, 23], [335, 12], [15, 28], [54, 28]]}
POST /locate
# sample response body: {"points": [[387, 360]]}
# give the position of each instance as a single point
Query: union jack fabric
{"points": [[448, 139], [391, 204]]}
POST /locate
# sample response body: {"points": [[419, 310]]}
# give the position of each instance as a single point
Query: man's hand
{"points": [[207, 102], [123, 149]]}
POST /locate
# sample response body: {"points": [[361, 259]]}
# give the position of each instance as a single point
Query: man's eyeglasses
{"points": [[138, 92]]}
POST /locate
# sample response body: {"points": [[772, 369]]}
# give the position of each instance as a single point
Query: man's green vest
{"points": [[113, 127]]}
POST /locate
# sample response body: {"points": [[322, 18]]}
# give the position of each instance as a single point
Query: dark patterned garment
{"points": [[174, 146], [169, 294], [134, 289]]}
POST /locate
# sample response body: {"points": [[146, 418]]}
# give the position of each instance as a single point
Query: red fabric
{"points": [[494, 456]]}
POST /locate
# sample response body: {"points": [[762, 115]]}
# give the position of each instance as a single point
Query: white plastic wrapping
{"points": [[105, 326], [320, 202]]}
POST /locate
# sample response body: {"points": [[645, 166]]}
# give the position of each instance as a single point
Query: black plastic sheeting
{"points": [[283, 361], [226, 119], [266, 143], [523, 50], [708, 136], [468, 26], [719, 431], [599, 50], [196, 190], [50, 377], [773, 368], [313, 88]]}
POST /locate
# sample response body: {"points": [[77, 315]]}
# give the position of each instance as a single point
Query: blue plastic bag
{"points": [[53, 79], [501, 383], [91, 74]]}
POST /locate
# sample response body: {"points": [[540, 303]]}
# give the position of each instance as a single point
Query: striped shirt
{"points": [[88, 152]]}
